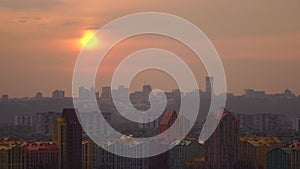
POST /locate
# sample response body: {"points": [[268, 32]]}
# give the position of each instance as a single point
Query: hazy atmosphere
{"points": [[258, 41]]}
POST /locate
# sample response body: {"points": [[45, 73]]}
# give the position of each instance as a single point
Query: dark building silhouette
{"points": [[58, 94], [222, 148], [147, 89], [209, 85], [67, 134]]}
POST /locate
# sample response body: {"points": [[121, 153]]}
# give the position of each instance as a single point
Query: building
{"points": [[58, 94], [222, 148], [25, 120], [67, 134], [209, 86], [59, 136], [39, 95], [88, 155], [92, 125], [123, 145], [182, 152], [250, 93], [147, 89], [253, 151], [44, 122], [298, 124], [5, 97], [284, 158], [166, 120], [12, 155], [106, 92], [264, 122], [41, 155], [88, 93]]}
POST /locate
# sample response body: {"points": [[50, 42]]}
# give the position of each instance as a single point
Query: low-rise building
{"points": [[253, 151]]}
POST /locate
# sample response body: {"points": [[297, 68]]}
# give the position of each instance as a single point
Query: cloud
{"points": [[25, 19], [29, 4]]}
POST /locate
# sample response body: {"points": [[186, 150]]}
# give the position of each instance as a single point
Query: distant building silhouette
{"points": [[38, 95], [222, 148], [250, 93], [5, 97], [147, 89], [106, 92], [209, 85], [58, 94]]}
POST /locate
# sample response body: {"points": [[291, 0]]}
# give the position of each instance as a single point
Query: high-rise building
{"points": [[88, 154], [106, 92], [167, 119], [67, 134], [298, 124], [209, 85], [12, 156], [253, 151], [25, 120], [41, 155], [222, 148], [44, 122], [147, 89], [59, 136]]}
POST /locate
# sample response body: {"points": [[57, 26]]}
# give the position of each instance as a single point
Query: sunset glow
{"points": [[89, 40]]}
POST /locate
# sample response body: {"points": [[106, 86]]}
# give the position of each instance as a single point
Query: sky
{"points": [[258, 42]]}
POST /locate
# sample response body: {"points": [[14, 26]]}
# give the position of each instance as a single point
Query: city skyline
{"points": [[41, 94], [257, 41]]}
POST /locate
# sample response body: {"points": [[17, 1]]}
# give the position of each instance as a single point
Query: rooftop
{"points": [[261, 141]]}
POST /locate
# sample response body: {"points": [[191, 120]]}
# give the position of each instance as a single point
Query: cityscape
{"points": [[244, 139], [138, 84]]}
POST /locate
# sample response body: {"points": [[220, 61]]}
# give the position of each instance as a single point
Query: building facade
{"points": [[88, 154], [67, 134], [284, 158], [253, 151], [222, 148], [12, 155], [41, 155]]}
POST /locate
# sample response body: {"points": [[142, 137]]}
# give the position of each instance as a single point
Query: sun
{"points": [[89, 40]]}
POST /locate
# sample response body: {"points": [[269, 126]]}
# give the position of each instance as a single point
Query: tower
{"points": [[209, 84], [222, 148], [67, 134]]}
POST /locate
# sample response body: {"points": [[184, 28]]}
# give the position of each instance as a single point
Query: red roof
{"points": [[40, 146], [167, 115]]}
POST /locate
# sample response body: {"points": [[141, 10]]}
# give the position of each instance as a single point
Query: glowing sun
{"points": [[89, 40]]}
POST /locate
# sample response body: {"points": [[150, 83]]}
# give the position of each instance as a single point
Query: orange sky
{"points": [[258, 41]]}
